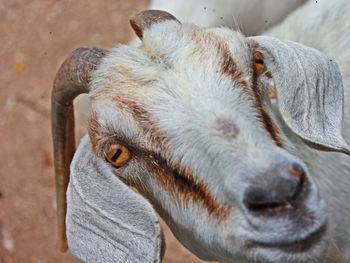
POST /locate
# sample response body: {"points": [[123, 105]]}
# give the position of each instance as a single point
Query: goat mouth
{"points": [[296, 246]]}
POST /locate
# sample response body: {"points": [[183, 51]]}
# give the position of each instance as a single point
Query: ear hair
{"points": [[106, 220], [309, 92]]}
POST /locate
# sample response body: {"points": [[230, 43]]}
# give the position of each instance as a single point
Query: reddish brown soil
{"points": [[35, 37]]}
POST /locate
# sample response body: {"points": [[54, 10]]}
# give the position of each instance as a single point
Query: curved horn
{"points": [[145, 19], [71, 80]]}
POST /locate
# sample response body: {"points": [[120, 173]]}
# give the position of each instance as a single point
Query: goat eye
{"points": [[117, 155], [259, 63]]}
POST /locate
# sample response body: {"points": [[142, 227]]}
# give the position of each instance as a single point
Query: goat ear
{"points": [[106, 220], [309, 92]]}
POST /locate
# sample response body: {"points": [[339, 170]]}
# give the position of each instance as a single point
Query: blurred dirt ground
{"points": [[35, 38]]}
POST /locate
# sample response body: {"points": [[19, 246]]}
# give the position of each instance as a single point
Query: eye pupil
{"points": [[116, 155], [259, 61]]}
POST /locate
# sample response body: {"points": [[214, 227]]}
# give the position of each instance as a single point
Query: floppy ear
{"points": [[309, 92], [106, 220]]}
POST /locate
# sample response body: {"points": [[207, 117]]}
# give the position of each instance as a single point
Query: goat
{"points": [[186, 120]]}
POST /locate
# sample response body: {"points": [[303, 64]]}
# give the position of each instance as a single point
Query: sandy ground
{"points": [[35, 37]]}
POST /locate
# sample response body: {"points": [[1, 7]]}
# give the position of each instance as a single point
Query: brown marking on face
{"points": [[143, 117], [177, 181], [227, 128], [121, 80], [263, 115], [94, 132], [180, 183], [228, 65], [228, 68]]}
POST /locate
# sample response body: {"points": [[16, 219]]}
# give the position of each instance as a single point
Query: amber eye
{"points": [[117, 155], [259, 63]]}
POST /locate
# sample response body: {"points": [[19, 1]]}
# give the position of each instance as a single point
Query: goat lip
{"points": [[296, 245]]}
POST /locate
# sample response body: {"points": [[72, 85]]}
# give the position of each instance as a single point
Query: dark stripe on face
{"points": [[181, 184], [228, 66], [176, 180], [261, 109], [268, 123], [143, 117]]}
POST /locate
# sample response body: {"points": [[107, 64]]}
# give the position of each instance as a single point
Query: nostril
{"points": [[296, 170], [275, 207], [276, 190]]}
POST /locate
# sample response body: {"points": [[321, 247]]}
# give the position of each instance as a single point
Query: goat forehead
{"points": [[176, 65], [176, 42], [198, 84]]}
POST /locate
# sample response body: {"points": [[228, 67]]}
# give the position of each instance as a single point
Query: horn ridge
{"points": [[74, 74], [71, 80], [145, 19]]}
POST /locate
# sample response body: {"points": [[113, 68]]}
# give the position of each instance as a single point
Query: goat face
{"points": [[207, 149], [185, 118]]}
